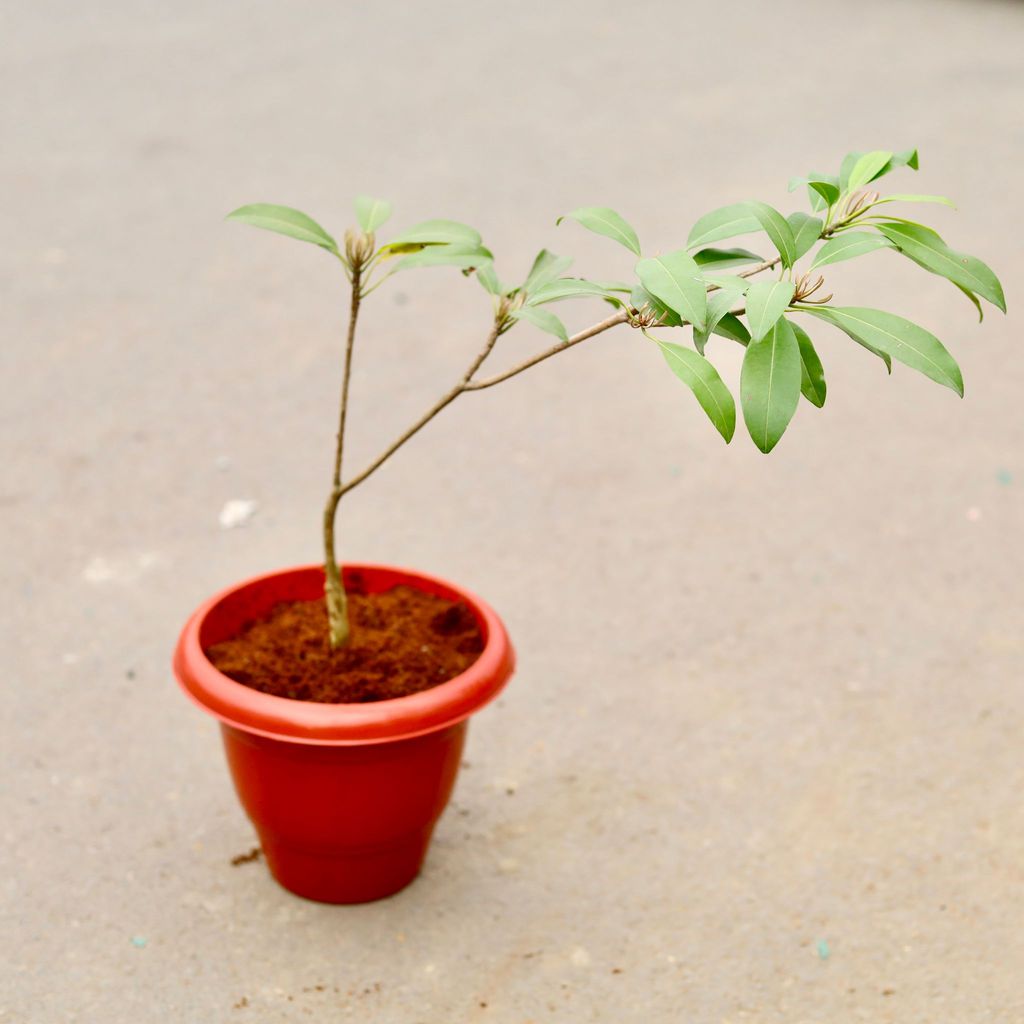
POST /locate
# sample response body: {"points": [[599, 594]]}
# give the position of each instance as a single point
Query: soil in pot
{"points": [[402, 641]]}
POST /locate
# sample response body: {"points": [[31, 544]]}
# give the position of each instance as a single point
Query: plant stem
{"points": [[445, 400], [767, 265], [334, 591], [589, 332]]}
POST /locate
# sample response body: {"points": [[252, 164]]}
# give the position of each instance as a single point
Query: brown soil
{"points": [[402, 641]]}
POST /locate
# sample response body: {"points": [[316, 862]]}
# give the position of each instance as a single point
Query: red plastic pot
{"points": [[344, 797]]}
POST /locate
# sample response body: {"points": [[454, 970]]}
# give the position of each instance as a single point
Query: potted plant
{"points": [[343, 691]]}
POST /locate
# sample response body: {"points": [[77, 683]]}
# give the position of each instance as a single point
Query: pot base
{"points": [[344, 824], [348, 876]]}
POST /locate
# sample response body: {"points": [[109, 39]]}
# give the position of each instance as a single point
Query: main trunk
{"points": [[334, 590]]}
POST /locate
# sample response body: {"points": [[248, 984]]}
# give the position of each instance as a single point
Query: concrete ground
{"points": [[762, 759]]}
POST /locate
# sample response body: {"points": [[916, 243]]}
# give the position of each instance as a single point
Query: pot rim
{"points": [[310, 722]]}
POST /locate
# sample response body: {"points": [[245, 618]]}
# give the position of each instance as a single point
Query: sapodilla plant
{"points": [[697, 287]]}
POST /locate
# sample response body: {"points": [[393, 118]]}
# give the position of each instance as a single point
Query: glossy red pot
{"points": [[344, 797]]}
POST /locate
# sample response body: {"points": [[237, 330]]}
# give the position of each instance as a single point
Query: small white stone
{"points": [[124, 569], [580, 957], [236, 512]]}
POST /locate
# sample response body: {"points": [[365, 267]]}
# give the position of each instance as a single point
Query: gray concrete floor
{"points": [[762, 759]]}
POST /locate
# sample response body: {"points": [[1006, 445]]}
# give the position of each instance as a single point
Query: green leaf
{"points": [[703, 380], [908, 197], [546, 267], [489, 279], [907, 158], [847, 245], [603, 221], [867, 168], [372, 213], [823, 189], [433, 232], [777, 229], [564, 288], [719, 304], [766, 302], [926, 248], [467, 257], [731, 282], [722, 259], [285, 221], [542, 318], [806, 231], [827, 191], [822, 312], [732, 327], [675, 279], [725, 222], [812, 374], [898, 338], [640, 298], [770, 385], [845, 168]]}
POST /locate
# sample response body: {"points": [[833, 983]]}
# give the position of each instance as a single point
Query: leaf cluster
{"points": [[848, 218], [700, 287]]}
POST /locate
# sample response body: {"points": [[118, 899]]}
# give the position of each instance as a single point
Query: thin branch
{"points": [[445, 400], [492, 338], [599, 328], [767, 265], [347, 373]]}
